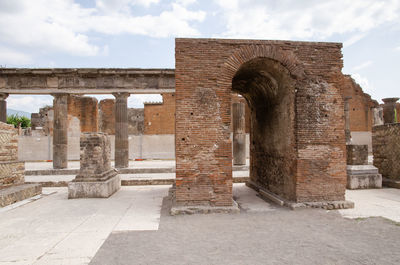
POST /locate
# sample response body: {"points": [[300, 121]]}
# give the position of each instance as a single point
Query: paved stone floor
{"points": [[126, 229]]}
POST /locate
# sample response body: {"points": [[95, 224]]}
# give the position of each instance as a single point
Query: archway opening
{"points": [[270, 93]]}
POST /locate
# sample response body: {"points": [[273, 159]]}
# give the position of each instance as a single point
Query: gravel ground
{"points": [[279, 236]]}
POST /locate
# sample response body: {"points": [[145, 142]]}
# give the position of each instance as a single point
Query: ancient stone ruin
{"points": [[96, 178], [297, 126], [12, 187], [386, 145]]}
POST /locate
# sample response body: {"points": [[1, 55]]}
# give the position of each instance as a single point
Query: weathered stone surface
{"points": [[11, 170], [18, 193], [363, 177], [107, 116], [297, 134], [3, 107], [357, 154], [96, 178], [386, 149], [239, 133], [121, 130], [94, 189], [60, 131], [86, 81], [389, 110]]}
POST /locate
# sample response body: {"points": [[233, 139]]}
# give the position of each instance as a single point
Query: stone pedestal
{"points": [[389, 110], [96, 178], [121, 130], [239, 133], [357, 154], [3, 107], [60, 131], [363, 177], [360, 175]]}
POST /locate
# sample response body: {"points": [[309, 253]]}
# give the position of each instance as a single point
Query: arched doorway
{"points": [[270, 93]]}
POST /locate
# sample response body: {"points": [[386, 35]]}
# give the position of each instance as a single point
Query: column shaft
{"points": [[3, 107], [60, 131], [347, 119], [389, 110], [239, 133], [121, 130]]}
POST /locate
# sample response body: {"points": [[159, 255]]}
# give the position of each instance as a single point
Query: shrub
{"points": [[16, 120]]}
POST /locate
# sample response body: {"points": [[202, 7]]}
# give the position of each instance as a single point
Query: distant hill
{"points": [[19, 113]]}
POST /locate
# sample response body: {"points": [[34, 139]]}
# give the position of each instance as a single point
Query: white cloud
{"points": [[9, 56], [364, 83], [398, 48], [44, 26], [353, 39], [313, 19], [28, 103], [362, 65]]}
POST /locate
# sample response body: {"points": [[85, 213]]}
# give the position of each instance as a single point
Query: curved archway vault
{"points": [[297, 138]]}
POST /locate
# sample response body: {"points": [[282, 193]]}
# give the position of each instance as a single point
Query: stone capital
{"points": [[58, 95], [121, 95], [3, 96], [390, 100]]}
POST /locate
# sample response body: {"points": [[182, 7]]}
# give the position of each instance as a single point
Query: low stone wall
{"points": [[35, 148], [386, 149], [11, 171]]}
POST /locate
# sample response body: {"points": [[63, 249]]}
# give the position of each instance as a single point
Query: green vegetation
{"points": [[16, 120]]}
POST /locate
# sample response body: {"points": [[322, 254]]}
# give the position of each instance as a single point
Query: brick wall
{"points": [[159, 118], [11, 171], [360, 105], [307, 119], [386, 149], [398, 111], [107, 116], [85, 109]]}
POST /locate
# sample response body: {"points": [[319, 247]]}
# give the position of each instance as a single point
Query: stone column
{"points": [[60, 131], [389, 109], [3, 107], [239, 133], [347, 119], [121, 130]]}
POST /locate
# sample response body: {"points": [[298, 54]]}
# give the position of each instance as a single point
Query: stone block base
{"points": [[329, 205], [99, 189], [18, 193], [177, 209], [363, 177], [391, 183]]}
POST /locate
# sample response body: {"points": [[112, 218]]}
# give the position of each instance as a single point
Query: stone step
{"points": [[126, 179], [362, 170], [18, 193], [75, 171]]}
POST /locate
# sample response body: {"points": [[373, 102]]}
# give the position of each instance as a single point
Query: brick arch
{"points": [[247, 53]]}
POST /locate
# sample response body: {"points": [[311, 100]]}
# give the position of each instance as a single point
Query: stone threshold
{"points": [[328, 205], [18, 193]]}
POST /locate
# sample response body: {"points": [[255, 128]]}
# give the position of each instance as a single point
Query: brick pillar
{"points": [[60, 131], [121, 130], [239, 133], [347, 119], [389, 109], [3, 107]]}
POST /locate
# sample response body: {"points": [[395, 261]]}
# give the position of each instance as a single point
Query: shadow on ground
{"points": [[269, 235]]}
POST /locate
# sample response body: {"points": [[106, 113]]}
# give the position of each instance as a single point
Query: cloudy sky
{"points": [[140, 33]]}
